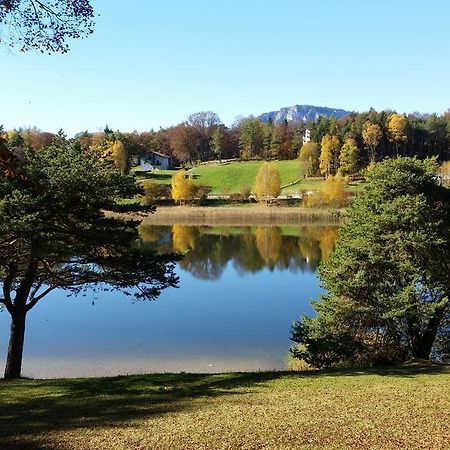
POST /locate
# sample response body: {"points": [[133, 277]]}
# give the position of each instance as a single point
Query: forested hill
{"points": [[302, 113]]}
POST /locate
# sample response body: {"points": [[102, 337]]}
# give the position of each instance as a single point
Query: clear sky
{"points": [[150, 63]]}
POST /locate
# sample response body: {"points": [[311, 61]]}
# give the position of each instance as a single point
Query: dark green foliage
{"points": [[388, 281]]}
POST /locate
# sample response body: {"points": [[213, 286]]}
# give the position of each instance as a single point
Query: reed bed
{"points": [[258, 215]]}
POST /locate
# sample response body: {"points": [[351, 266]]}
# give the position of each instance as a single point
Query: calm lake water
{"points": [[240, 290]]}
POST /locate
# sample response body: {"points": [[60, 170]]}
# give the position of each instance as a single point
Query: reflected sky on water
{"points": [[240, 290]]}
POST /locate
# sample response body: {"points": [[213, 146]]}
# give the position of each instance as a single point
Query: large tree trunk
{"points": [[18, 311], [425, 343], [15, 348]]}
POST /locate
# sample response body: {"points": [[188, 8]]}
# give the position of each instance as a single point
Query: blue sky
{"points": [[151, 63]]}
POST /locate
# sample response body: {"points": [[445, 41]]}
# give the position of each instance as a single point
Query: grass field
{"points": [[235, 175], [406, 409], [231, 177]]}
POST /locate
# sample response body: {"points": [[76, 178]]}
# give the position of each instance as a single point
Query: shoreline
{"points": [[234, 215]]}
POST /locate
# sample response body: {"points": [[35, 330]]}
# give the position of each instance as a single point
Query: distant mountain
{"points": [[302, 113]]}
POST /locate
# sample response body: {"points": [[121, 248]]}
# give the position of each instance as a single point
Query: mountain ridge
{"points": [[302, 113]]}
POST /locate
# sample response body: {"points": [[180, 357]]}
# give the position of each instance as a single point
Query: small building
{"points": [[153, 160], [306, 137]]}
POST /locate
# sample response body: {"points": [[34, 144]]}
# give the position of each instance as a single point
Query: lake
{"points": [[240, 290]]}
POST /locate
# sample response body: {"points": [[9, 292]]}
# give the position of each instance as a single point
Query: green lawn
{"points": [[406, 409], [233, 176]]}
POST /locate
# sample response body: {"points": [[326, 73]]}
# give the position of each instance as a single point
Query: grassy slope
{"points": [[403, 409], [235, 175]]}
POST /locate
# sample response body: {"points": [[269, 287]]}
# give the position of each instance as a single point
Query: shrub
{"points": [[245, 192], [332, 194], [201, 192], [183, 188], [153, 191]]}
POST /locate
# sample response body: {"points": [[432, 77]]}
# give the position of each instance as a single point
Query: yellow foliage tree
{"points": [[397, 127], [118, 154], [183, 188], [348, 159], [309, 157], [372, 136], [332, 194], [329, 155], [268, 183]]}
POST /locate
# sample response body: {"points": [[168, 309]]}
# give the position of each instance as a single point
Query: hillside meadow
{"points": [[406, 408], [232, 177]]}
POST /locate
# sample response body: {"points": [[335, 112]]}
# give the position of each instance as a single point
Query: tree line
{"points": [[344, 145]]}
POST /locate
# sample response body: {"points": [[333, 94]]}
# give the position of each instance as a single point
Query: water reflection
{"points": [[208, 250], [264, 278]]}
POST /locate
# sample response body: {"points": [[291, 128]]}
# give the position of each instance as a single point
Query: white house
{"points": [[153, 160], [306, 137]]}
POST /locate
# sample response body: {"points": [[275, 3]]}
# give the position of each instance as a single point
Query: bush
{"points": [[332, 194], [201, 192], [153, 191], [235, 197], [183, 189], [245, 192], [242, 196]]}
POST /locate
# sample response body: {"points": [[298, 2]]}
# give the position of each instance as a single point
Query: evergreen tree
{"points": [[54, 235], [388, 280]]}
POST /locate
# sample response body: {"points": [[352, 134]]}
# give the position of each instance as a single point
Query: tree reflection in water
{"points": [[208, 249]]}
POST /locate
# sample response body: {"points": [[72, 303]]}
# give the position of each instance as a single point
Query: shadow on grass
{"points": [[30, 409], [153, 175]]}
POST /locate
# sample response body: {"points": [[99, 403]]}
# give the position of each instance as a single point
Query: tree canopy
{"points": [[44, 25], [54, 235], [183, 188], [388, 280], [329, 156], [202, 138], [309, 156], [267, 183]]}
